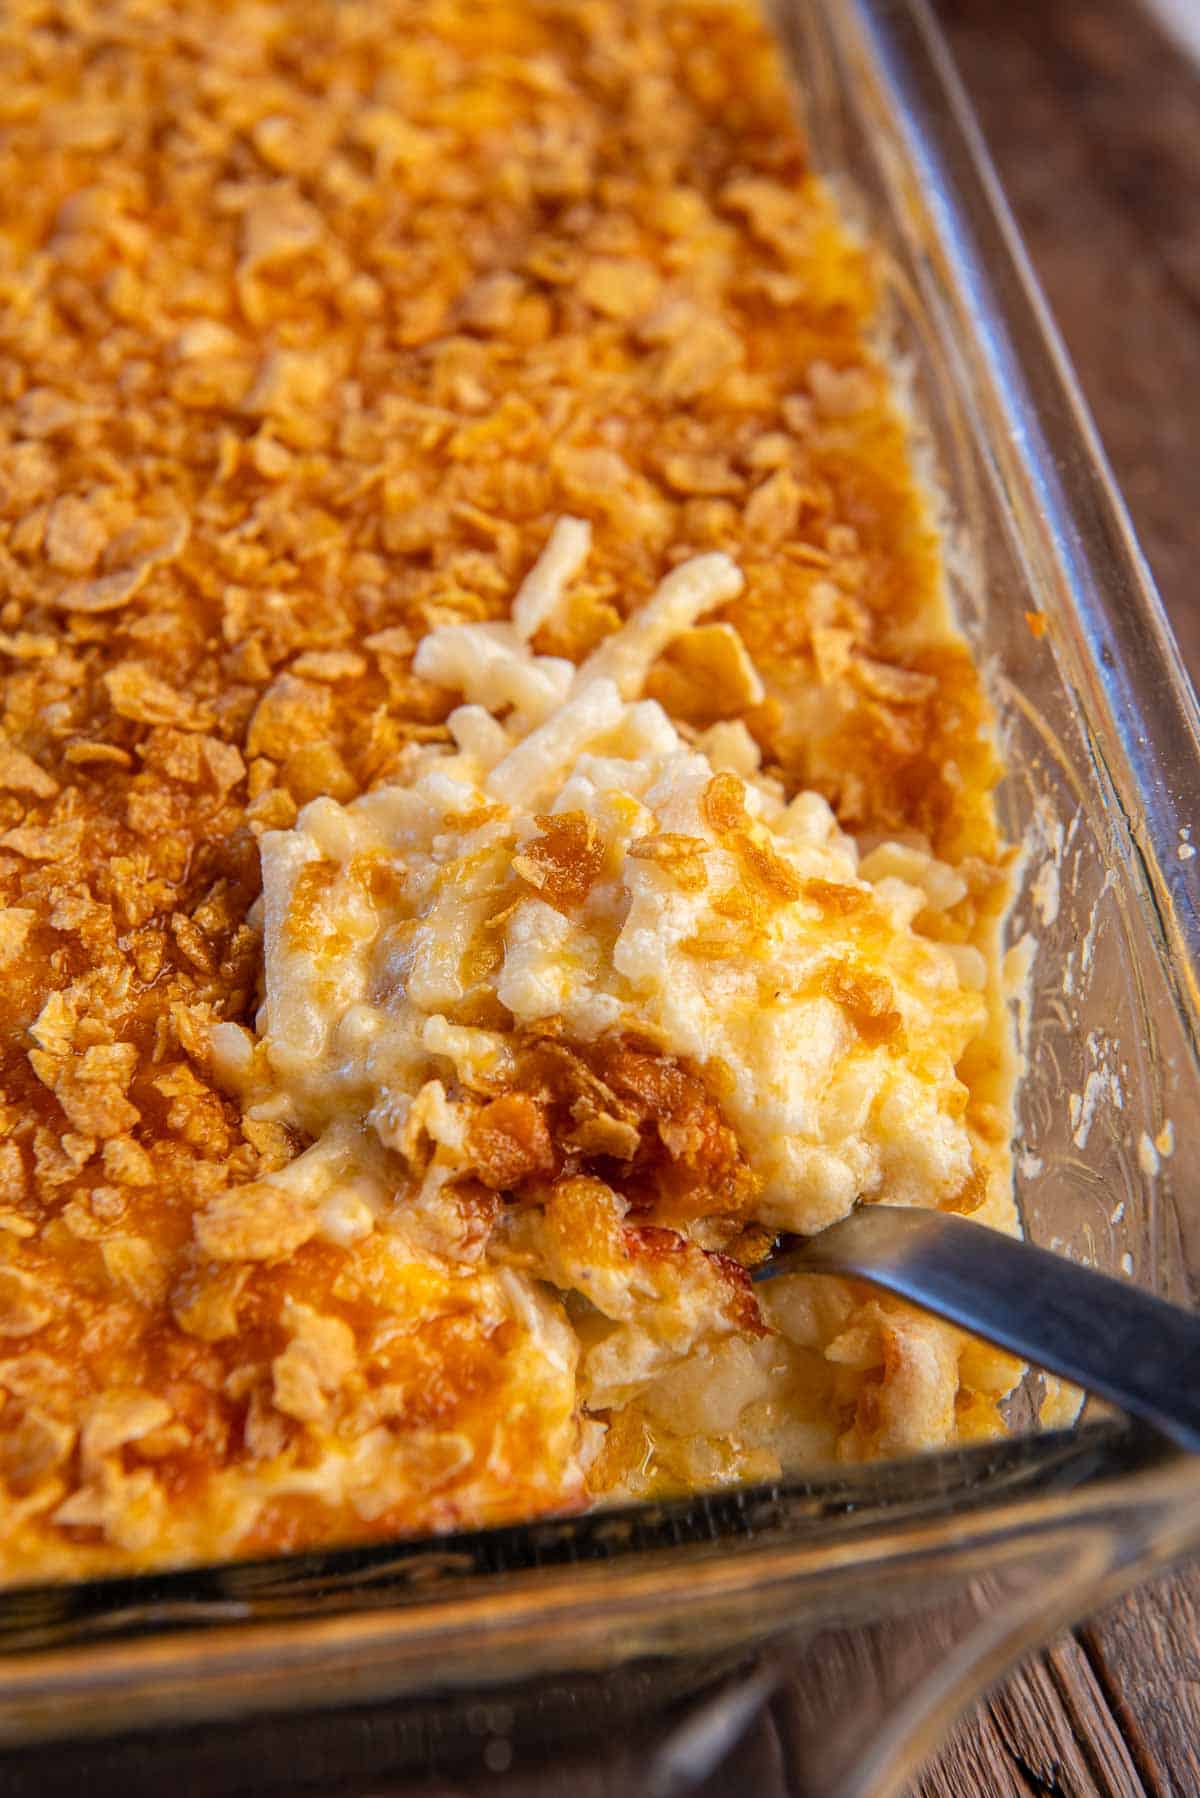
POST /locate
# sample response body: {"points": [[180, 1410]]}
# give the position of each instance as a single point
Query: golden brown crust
{"points": [[315, 317]]}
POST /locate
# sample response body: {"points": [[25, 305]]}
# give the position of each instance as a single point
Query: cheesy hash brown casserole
{"points": [[495, 815]]}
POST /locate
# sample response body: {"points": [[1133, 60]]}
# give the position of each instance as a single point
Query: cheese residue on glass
{"points": [[583, 1011]]}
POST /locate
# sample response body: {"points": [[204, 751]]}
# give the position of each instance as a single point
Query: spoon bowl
{"points": [[1102, 1333]]}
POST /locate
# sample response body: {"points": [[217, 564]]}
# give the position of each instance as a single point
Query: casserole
{"points": [[1104, 962], [587, 940]]}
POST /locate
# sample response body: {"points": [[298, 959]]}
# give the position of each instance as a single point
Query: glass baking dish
{"points": [[887, 1595]]}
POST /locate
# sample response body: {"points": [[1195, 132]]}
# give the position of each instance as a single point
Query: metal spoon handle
{"points": [[1100, 1332]]}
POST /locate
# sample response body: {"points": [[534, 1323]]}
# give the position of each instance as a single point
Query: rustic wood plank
{"points": [[1097, 1727], [1093, 119], [1049, 1730], [977, 1760], [1146, 1652]]}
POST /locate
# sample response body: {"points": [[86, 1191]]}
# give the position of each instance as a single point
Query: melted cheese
{"points": [[577, 864], [762, 951]]}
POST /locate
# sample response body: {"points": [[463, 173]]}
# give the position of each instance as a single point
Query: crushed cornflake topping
{"points": [[443, 466]]}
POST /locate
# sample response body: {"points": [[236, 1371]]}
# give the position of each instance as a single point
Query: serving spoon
{"points": [[1102, 1333]]}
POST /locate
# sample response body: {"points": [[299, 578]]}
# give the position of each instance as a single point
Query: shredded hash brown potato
{"points": [[495, 815]]}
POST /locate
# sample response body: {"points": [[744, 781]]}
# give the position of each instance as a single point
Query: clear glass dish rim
{"points": [[191, 1637]]}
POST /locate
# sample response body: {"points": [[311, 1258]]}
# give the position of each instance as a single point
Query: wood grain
{"points": [[1147, 1653], [1049, 1730], [1093, 119]]}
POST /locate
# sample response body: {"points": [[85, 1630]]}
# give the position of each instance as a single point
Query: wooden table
{"points": [[1093, 119]]}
